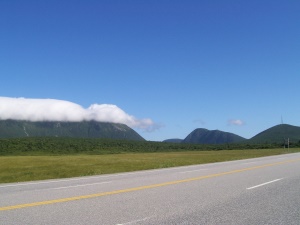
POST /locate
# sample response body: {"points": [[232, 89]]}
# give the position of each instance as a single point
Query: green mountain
{"points": [[85, 129], [204, 136], [278, 134]]}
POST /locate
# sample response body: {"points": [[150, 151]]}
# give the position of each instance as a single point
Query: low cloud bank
{"points": [[60, 110]]}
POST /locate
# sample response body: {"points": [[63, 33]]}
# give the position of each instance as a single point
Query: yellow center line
{"points": [[141, 187]]}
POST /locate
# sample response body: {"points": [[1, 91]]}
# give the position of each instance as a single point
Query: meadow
{"points": [[17, 168]]}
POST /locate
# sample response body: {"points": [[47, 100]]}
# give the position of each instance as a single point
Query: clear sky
{"points": [[230, 65]]}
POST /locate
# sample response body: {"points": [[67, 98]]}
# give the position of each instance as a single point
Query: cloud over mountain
{"points": [[60, 110]]}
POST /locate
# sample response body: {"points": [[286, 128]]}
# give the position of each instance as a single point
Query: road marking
{"points": [[47, 182], [190, 171], [141, 187], [249, 163], [135, 221], [264, 184], [282, 158], [93, 177], [80, 185]]}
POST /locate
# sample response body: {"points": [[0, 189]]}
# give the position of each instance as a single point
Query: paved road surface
{"points": [[254, 191]]}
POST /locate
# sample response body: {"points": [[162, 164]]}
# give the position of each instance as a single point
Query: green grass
{"points": [[28, 168]]}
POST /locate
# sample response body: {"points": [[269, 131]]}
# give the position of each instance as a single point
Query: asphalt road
{"points": [[254, 191]]}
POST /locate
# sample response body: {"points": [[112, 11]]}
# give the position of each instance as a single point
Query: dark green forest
{"points": [[65, 146]]}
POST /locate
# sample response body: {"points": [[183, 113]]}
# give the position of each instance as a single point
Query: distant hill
{"points": [[85, 129], [278, 134], [174, 140], [204, 136]]}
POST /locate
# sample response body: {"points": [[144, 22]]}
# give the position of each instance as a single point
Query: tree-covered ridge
{"points": [[65, 146], [85, 129], [278, 134], [204, 136]]}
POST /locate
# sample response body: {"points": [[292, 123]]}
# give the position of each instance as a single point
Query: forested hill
{"points": [[278, 134], [204, 136], [85, 129]]}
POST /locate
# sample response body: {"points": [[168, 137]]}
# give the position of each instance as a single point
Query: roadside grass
{"points": [[29, 168]]}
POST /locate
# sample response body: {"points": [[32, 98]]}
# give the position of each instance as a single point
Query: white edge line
{"points": [[115, 175], [94, 177], [81, 185], [249, 163], [264, 184], [190, 171]]}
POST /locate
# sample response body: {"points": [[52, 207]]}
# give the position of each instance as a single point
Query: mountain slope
{"points": [[278, 134], [85, 129], [204, 136]]}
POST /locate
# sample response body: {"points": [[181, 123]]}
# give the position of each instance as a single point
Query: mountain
{"points": [[85, 129], [174, 140], [204, 136], [278, 134]]}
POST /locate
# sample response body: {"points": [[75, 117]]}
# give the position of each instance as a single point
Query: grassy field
{"points": [[28, 168]]}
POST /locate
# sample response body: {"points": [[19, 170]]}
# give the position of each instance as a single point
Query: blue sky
{"points": [[226, 65]]}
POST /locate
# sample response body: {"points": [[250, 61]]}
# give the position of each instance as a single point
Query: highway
{"points": [[253, 191]]}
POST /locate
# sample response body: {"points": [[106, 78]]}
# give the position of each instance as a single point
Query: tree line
{"points": [[64, 146]]}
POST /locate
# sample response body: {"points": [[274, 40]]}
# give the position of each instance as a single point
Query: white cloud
{"points": [[236, 122], [59, 110]]}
